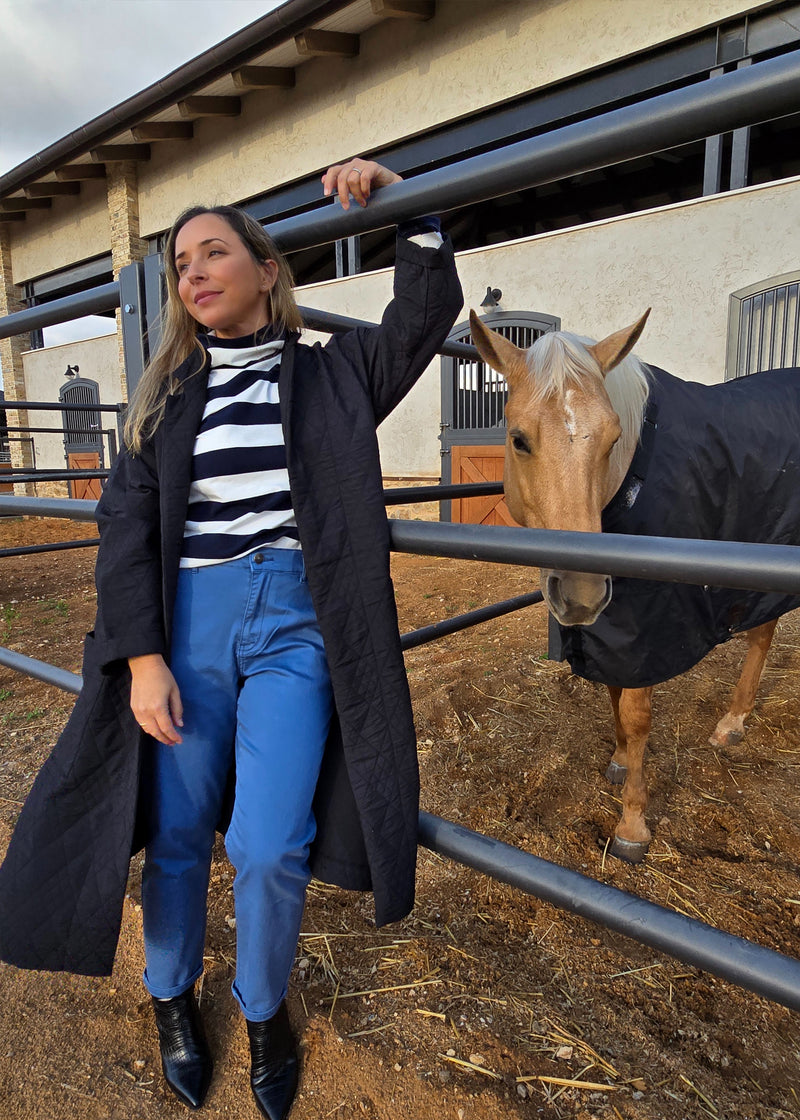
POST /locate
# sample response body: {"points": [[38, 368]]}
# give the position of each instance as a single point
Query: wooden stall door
{"points": [[86, 488], [479, 464]]}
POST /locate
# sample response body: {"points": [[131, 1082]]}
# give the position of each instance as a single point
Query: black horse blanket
{"points": [[714, 462]]}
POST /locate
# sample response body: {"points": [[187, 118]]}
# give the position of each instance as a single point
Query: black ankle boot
{"points": [[185, 1056], [273, 1073]]}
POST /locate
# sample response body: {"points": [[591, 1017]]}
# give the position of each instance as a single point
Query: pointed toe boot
{"points": [[185, 1057], [274, 1065]]}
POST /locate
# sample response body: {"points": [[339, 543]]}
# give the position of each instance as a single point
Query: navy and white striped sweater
{"points": [[239, 499]]}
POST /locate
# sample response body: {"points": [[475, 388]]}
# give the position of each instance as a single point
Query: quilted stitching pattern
{"points": [[62, 884]]}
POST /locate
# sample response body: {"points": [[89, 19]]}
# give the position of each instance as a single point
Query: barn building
{"points": [[705, 232]]}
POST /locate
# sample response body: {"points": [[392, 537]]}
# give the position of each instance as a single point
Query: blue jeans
{"points": [[251, 668]]}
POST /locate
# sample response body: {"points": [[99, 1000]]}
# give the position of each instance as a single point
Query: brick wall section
{"points": [[11, 349], [126, 244]]}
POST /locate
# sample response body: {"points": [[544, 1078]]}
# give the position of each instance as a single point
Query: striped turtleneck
{"points": [[239, 499]]}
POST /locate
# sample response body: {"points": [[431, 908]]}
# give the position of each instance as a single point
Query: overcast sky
{"points": [[63, 62]]}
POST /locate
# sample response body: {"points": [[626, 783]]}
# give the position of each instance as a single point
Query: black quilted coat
{"points": [[715, 462], [63, 882]]}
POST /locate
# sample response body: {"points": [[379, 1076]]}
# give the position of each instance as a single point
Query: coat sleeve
{"points": [[130, 615], [427, 300]]}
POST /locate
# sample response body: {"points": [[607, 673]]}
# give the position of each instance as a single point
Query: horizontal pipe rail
{"points": [[59, 546], [53, 476], [756, 567], [403, 495], [425, 634], [744, 97], [41, 670], [760, 970], [57, 406], [105, 297], [75, 509], [333, 323]]}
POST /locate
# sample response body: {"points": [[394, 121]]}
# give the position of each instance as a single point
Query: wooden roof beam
{"points": [[210, 107], [162, 130], [263, 77], [121, 153], [10, 205], [404, 9], [75, 172], [50, 190], [314, 42]]}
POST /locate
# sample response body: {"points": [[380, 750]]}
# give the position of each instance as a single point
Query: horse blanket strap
{"points": [[714, 462]]}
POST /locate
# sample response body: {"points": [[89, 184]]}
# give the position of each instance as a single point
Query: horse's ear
{"points": [[610, 351], [495, 350]]}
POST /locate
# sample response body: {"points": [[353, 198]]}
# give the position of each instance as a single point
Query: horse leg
{"points": [[730, 728], [618, 766], [632, 835]]}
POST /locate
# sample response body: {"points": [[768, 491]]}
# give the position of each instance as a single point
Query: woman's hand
{"points": [[155, 698], [357, 177]]}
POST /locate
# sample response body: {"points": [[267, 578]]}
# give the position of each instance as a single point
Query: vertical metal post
{"points": [[740, 151], [131, 291], [154, 298], [712, 171]]}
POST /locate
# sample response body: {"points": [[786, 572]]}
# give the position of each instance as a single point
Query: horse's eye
{"points": [[519, 443]]}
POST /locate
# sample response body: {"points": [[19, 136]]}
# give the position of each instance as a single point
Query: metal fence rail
{"points": [[761, 970], [756, 567]]}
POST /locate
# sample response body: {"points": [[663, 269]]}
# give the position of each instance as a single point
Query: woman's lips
{"points": [[204, 297]]}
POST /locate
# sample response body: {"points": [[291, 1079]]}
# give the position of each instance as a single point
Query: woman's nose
{"points": [[195, 271]]}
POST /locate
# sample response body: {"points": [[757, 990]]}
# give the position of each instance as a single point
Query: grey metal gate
{"points": [[82, 431]]}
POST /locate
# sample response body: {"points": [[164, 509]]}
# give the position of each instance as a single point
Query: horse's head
{"points": [[565, 457]]}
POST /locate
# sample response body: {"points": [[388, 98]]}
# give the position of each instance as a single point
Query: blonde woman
{"points": [[245, 672]]}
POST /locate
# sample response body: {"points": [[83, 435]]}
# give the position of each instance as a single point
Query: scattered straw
{"points": [[697, 1092], [379, 991], [471, 1065], [569, 1083]]}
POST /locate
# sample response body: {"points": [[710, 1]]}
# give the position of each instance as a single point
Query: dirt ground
{"points": [[485, 1004]]}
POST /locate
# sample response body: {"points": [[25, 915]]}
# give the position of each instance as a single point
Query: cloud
{"points": [[64, 62]]}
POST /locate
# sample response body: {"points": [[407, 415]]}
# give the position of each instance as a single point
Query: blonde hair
{"points": [[179, 331]]}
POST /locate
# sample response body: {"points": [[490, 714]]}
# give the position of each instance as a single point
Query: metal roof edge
{"points": [[270, 30]]}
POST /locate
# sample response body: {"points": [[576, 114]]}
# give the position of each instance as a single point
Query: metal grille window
{"points": [[764, 326], [82, 430]]}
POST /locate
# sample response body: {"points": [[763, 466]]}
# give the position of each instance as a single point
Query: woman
{"points": [[245, 671]]}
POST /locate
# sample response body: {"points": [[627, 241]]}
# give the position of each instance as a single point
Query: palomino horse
{"points": [[597, 440]]}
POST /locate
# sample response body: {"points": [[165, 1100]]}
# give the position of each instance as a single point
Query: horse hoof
{"points": [[726, 738], [616, 774], [631, 851]]}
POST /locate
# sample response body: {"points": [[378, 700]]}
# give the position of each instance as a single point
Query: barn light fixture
{"points": [[71, 371], [492, 299]]}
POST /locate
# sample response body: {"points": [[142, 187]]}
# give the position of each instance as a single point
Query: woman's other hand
{"points": [[357, 177], [155, 698]]}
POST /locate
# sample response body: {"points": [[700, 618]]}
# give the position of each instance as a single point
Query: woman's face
{"points": [[219, 282]]}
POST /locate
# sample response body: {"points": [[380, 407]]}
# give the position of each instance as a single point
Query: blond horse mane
{"points": [[558, 360]]}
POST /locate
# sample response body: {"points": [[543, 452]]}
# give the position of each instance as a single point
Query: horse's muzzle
{"points": [[576, 598]]}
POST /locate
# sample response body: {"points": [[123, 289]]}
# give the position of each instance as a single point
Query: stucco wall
{"points": [[44, 377], [75, 229], [407, 78], [684, 261]]}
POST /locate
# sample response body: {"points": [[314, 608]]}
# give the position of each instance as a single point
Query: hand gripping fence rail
{"points": [[760, 970]]}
